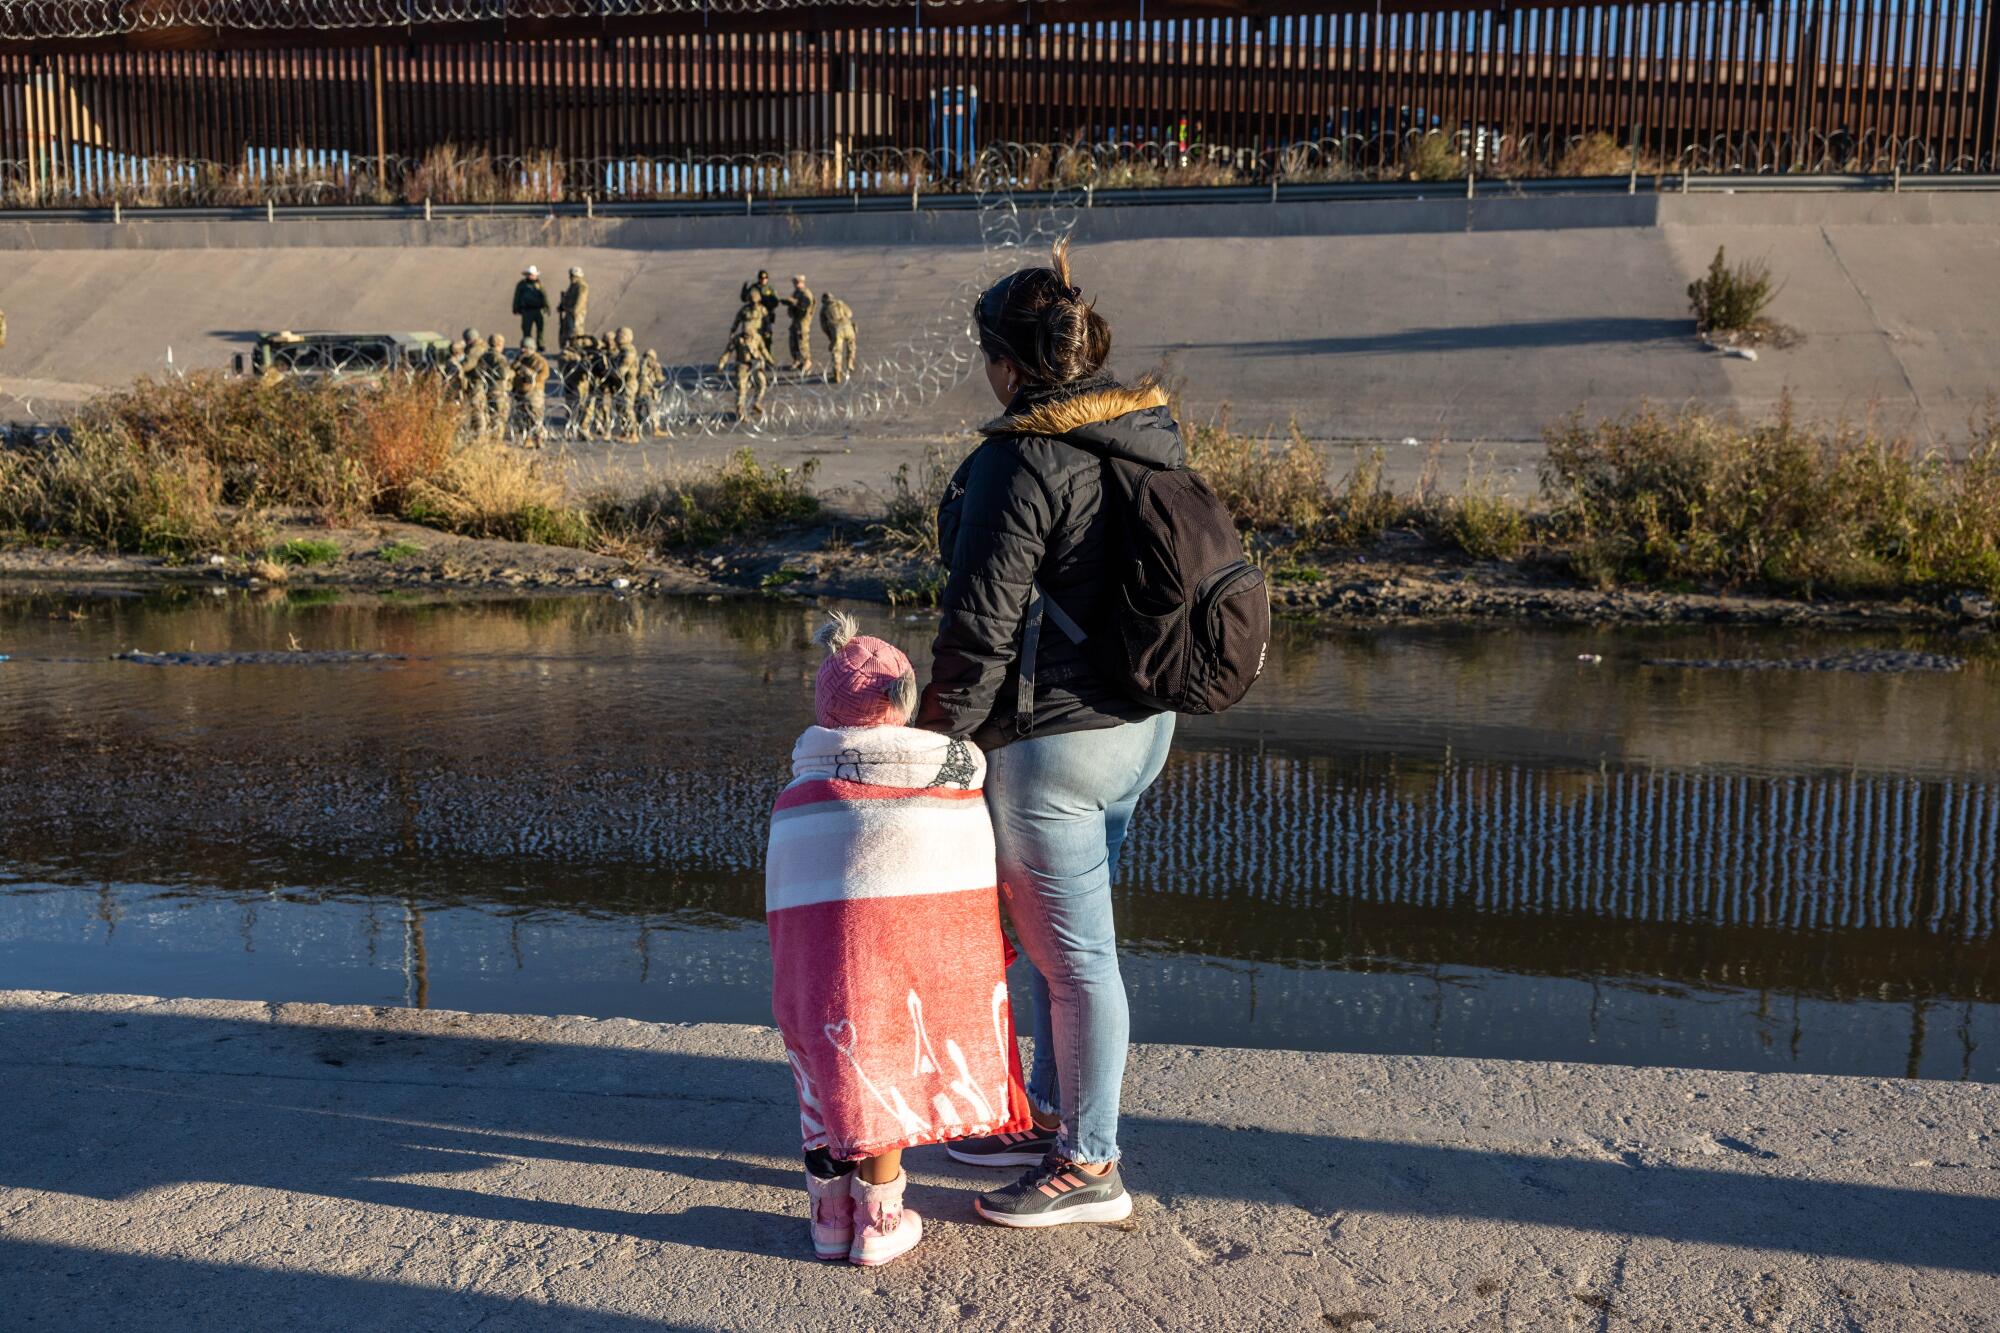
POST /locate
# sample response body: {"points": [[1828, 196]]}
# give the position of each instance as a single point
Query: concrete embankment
{"points": [[184, 1164], [1378, 321]]}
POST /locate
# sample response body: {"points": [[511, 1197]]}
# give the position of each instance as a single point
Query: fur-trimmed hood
{"points": [[1128, 421]]}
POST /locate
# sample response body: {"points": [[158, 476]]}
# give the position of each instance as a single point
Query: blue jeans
{"points": [[1061, 805]]}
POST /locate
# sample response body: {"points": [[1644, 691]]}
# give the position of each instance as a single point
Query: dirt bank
{"points": [[1401, 578]]}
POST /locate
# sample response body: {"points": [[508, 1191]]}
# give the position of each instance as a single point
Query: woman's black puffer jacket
{"points": [[1025, 510]]}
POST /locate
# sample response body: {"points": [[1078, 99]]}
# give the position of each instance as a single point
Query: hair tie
{"points": [[1073, 293]]}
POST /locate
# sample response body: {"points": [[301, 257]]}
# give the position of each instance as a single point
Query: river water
{"points": [[1455, 841]]}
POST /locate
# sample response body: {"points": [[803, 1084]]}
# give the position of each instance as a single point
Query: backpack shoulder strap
{"points": [[1040, 606]]}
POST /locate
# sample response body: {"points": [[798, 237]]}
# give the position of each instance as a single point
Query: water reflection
{"points": [[1450, 842]]}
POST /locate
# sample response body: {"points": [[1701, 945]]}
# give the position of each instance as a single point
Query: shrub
{"points": [[1595, 155], [1481, 522], [487, 489], [1266, 484], [1363, 506], [699, 506], [909, 520], [97, 485], [1794, 507], [1433, 157], [404, 432], [1730, 300]]}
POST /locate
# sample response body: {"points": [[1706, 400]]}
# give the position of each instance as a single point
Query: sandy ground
{"points": [[183, 1164]]}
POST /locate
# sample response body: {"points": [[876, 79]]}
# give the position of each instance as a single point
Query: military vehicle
{"points": [[321, 353]]}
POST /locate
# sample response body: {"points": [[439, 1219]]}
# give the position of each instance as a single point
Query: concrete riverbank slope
{"points": [[1454, 319], [184, 1164]]}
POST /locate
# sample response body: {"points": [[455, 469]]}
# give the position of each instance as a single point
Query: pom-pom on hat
{"points": [[864, 682]]}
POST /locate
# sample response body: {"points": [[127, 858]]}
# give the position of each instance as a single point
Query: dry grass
{"points": [[910, 517], [701, 505], [1782, 504], [1595, 155], [1270, 484], [1433, 157], [487, 489], [178, 466]]}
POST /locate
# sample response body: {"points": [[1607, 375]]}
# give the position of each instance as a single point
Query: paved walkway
{"points": [[182, 1164]]}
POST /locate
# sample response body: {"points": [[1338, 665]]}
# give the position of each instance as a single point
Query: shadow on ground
{"points": [[130, 1102], [1522, 335]]}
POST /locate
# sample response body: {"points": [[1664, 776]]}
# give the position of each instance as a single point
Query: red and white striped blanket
{"points": [[889, 977]]}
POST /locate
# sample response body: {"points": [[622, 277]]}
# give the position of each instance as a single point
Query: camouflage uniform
{"points": [[625, 368], [652, 378], [494, 376], [752, 316], [451, 373], [800, 308], [575, 305], [837, 321], [531, 411], [579, 380], [747, 358]]}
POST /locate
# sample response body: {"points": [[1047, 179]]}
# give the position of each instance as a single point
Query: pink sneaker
{"points": [[832, 1215], [883, 1228]]}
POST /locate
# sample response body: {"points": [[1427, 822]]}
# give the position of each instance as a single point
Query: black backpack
{"points": [[1188, 619]]}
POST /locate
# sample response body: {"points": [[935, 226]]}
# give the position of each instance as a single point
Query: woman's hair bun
{"points": [[1040, 321]]}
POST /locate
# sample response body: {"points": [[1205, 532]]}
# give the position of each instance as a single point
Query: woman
{"points": [[1028, 539]]}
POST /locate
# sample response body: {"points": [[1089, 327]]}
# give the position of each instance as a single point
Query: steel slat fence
{"points": [[1772, 86]]}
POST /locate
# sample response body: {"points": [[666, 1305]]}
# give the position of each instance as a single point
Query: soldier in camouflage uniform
{"points": [[837, 321], [625, 365], [652, 379], [579, 381], [531, 379], [800, 307], [451, 373], [494, 378], [747, 359], [573, 308], [753, 316]]}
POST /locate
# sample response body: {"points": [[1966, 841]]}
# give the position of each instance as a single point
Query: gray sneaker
{"points": [[1055, 1193], [1003, 1150]]}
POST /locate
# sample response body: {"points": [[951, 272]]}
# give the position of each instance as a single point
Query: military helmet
{"points": [[496, 341], [471, 336]]}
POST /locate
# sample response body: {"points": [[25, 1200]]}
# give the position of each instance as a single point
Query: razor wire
{"points": [[935, 357], [91, 177], [73, 20]]}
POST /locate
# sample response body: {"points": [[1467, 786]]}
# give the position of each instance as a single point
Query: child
{"points": [[888, 980]]}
